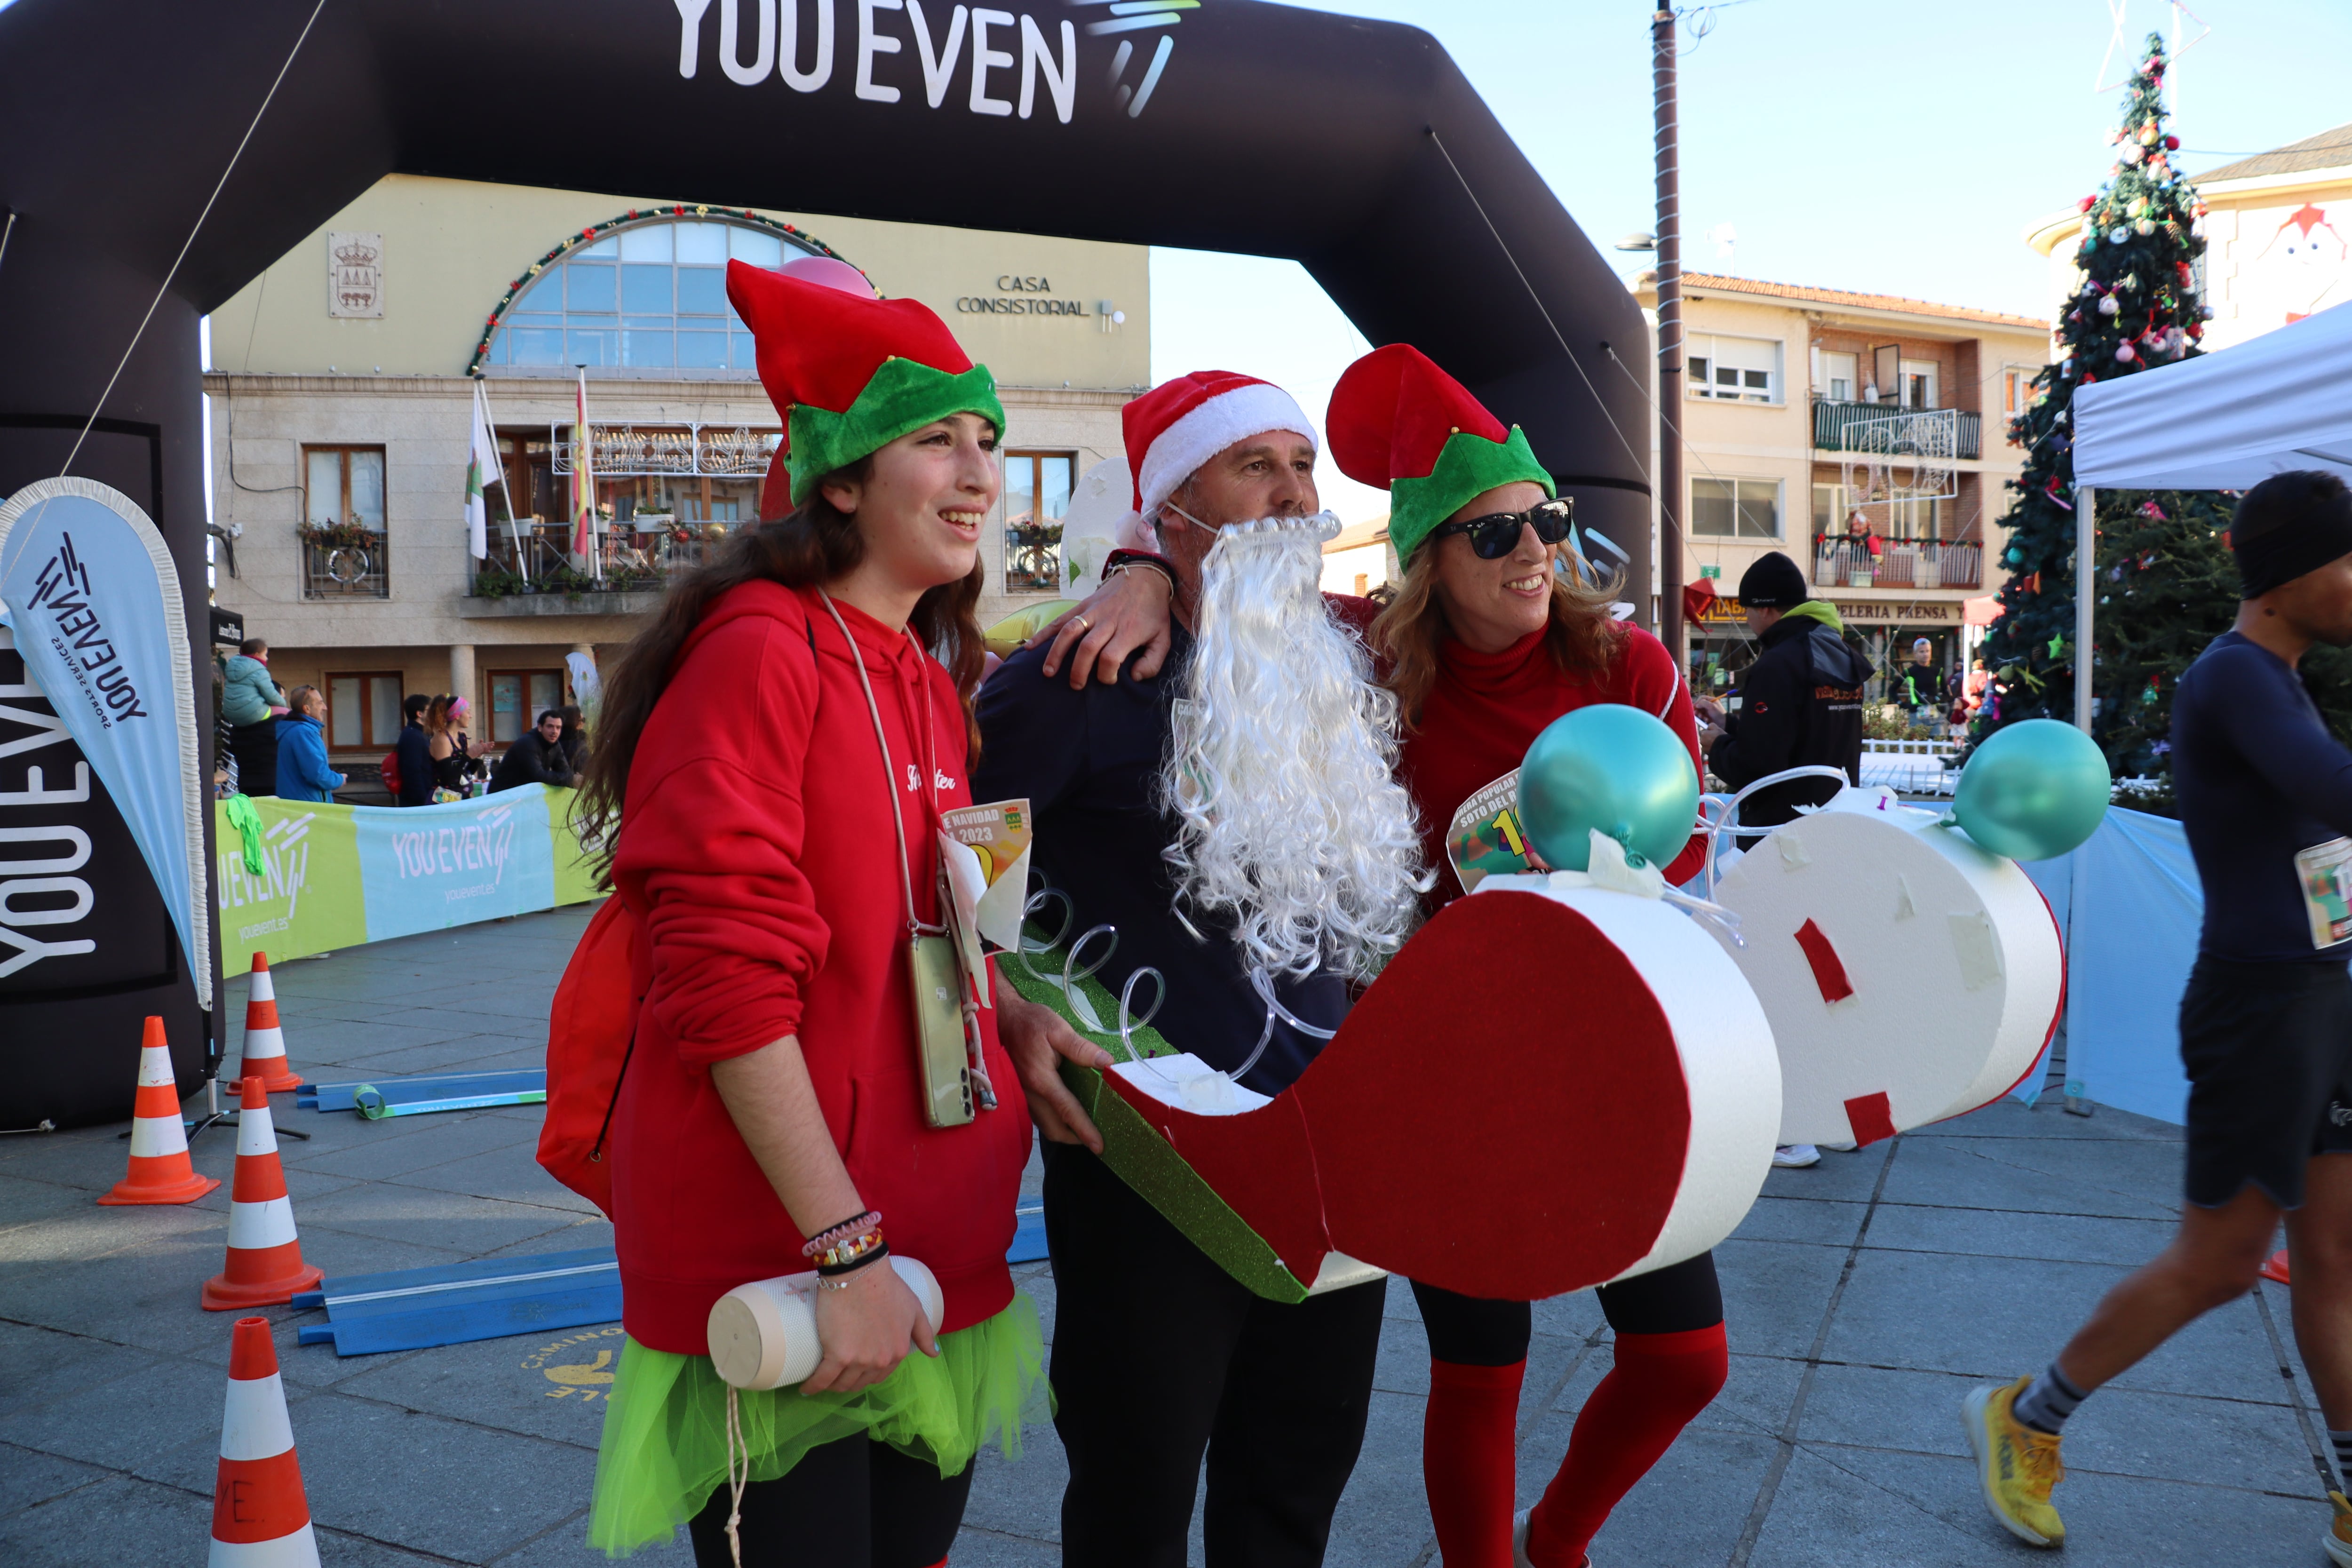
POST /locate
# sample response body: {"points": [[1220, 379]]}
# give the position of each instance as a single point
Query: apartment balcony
{"points": [[530, 570], [344, 561], [1884, 427], [1900, 563]]}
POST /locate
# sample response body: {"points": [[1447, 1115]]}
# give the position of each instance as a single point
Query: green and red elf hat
{"points": [[1403, 425], [849, 372]]}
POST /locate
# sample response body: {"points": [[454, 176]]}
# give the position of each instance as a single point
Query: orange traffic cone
{"points": [[2276, 1267], [265, 1262], [160, 1172], [265, 1042], [260, 1517]]}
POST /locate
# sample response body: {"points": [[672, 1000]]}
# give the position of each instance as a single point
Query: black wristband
{"points": [[835, 1270], [1159, 564]]}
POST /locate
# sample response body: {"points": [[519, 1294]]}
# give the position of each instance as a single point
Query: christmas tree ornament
{"points": [[2118, 234], [1610, 769], [2147, 135], [2107, 307], [2144, 229], [2129, 156], [2124, 354], [2172, 144], [2033, 791]]}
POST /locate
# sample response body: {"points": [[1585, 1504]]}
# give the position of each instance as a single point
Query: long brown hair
{"points": [[815, 544], [1582, 637]]}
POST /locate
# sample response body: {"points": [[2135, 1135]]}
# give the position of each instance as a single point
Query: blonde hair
{"points": [[1582, 634]]}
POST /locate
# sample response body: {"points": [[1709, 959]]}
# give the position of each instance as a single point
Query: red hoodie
{"points": [[757, 852]]}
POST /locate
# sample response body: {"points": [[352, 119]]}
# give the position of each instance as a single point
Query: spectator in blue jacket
{"points": [[413, 752], [302, 769], [252, 704]]}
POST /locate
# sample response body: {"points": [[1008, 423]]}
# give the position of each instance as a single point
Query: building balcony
{"points": [[1884, 427], [530, 571], [344, 561], [1900, 563]]}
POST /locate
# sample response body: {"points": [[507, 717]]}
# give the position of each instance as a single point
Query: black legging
{"points": [[1470, 1330], [855, 1503]]}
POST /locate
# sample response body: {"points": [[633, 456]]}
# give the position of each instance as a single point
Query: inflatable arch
{"points": [[1356, 147]]}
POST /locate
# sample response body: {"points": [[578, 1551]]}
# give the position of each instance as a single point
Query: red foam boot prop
{"points": [[1466, 1460], [1659, 1383]]}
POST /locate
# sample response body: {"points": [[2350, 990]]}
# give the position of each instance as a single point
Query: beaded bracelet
{"points": [[867, 1248], [823, 1240]]}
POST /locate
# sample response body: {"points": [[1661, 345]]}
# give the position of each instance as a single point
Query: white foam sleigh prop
{"points": [[1909, 975]]}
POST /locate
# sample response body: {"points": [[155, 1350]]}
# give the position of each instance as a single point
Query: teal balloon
{"points": [[1612, 768], [2033, 791]]}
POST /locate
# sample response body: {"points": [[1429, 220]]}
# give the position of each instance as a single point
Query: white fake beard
{"points": [[1281, 767]]}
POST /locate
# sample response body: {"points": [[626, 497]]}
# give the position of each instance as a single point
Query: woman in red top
{"points": [[777, 749], [1486, 642]]}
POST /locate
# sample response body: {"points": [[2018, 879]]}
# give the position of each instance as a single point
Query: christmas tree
{"points": [[2166, 585]]}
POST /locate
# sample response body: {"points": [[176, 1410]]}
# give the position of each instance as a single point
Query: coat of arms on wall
{"points": [[355, 274]]}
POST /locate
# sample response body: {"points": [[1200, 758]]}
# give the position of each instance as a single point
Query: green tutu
{"points": [[664, 1450]]}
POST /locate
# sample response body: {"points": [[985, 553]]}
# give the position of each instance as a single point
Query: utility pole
{"points": [[1670, 335]]}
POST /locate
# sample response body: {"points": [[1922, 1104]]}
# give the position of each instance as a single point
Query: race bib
{"points": [[1485, 839], [2323, 874]]}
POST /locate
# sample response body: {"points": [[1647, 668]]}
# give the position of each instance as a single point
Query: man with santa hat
{"points": [[1235, 817]]}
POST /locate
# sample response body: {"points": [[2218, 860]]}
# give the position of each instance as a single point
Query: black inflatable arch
{"points": [[1356, 147]]}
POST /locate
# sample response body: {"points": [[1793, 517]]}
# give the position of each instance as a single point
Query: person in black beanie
{"points": [[1801, 701], [2265, 798]]}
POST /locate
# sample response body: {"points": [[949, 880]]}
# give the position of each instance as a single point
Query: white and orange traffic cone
{"points": [[159, 1170], [265, 1042], [260, 1517], [265, 1260]]}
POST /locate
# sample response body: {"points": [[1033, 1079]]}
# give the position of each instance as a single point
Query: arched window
{"points": [[644, 297]]}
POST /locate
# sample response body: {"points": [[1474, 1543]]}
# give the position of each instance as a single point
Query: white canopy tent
{"points": [[2223, 422]]}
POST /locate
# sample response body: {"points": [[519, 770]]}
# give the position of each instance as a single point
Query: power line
{"points": [[186, 245]]}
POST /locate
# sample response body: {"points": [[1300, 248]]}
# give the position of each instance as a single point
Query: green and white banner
{"points": [[301, 877]]}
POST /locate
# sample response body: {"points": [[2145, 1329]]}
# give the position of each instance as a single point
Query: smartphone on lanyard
{"points": [[935, 978]]}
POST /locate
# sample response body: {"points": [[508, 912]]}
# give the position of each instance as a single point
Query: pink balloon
{"points": [[833, 274]]}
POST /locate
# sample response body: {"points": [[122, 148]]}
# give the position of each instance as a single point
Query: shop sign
{"points": [[1894, 612], [1720, 612]]}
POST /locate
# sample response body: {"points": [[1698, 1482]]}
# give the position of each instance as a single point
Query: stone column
{"points": [[461, 676]]}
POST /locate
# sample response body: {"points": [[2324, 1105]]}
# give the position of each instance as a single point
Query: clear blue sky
{"points": [[1895, 146]]}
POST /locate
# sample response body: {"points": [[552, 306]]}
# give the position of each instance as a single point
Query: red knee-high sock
{"points": [[1466, 1462], [1659, 1383]]}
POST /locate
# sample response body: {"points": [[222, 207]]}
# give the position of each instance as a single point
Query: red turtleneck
{"points": [[1486, 708]]}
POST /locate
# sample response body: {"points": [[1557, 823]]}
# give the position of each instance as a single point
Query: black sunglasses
{"points": [[1496, 534]]}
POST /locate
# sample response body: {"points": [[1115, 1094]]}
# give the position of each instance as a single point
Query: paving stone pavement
{"points": [[1864, 1298]]}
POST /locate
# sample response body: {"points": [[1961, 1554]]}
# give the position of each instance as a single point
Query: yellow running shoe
{"points": [[2339, 1539], [2018, 1466]]}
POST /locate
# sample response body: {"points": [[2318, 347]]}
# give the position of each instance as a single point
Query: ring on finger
{"points": [[1084, 625]]}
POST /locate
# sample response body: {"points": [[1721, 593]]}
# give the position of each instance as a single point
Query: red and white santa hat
{"points": [[1180, 425]]}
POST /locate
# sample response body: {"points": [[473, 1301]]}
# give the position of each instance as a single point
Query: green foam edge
{"points": [[1136, 1152]]}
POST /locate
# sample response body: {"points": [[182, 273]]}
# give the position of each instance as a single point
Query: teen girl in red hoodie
{"points": [[777, 749]]}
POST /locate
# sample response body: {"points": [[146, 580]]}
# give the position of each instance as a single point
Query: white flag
{"points": [[482, 470]]}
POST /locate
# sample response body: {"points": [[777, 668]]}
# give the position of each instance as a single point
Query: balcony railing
{"points": [[536, 558], [1900, 563], [1831, 420], [348, 563]]}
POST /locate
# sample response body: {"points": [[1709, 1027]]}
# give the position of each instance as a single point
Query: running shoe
{"points": [[1796, 1156], [2338, 1539], [2017, 1466]]}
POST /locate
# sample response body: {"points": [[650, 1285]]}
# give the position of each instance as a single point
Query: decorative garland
{"points": [[597, 231]]}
